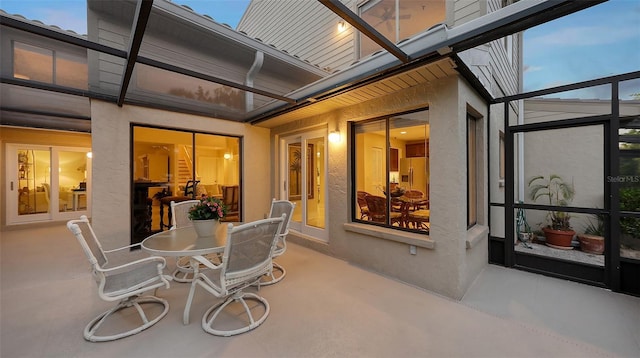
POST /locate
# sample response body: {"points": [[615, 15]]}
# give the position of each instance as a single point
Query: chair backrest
{"points": [[279, 208], [414, 194], [190, 188], [362, 202], [377, 206], [83, 232], [230, 198], [247, 254], [180, 213]]}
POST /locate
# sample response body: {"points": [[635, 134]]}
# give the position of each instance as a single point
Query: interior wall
{"points": [[111, 163]]}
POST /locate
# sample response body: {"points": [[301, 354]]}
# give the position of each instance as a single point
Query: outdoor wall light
{"points": [[341, 26], [334, 136], [89, 155]]}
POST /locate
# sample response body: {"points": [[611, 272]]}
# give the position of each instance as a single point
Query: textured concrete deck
{"points": [[324, 308]]}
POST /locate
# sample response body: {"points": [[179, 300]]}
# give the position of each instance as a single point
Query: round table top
{"points": [[185, 242]]}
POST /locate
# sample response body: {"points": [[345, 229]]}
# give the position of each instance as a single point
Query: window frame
{"points": [[353, 177]]}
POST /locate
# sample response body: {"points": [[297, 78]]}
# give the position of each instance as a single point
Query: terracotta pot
{"points": [[558, 238], [591, 244]]}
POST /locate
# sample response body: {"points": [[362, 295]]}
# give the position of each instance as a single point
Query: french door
{"points": [[303, 176], [46, 183]]}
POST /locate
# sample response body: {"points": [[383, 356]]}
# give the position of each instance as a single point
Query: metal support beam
{"points": [[140, 19], [341, 10]]}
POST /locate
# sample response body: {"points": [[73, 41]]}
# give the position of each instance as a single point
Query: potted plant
{"points": [[206, 215], [592, 240], [558, 233]]}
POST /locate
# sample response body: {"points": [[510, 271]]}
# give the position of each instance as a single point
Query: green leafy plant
{"points": [[208, 208], [630, 201], [558, 193], [597, 228]]}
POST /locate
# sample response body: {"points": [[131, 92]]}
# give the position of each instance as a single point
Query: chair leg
{"points": [[212, 313], [277, 274], [90, 331]]}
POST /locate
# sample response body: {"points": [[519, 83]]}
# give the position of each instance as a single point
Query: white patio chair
{"points": [[247, 257], [279, 208], [125, 284], [180, 218]]}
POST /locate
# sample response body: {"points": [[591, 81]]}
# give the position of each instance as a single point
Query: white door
{"points": [[304, 177], [46, 183]]}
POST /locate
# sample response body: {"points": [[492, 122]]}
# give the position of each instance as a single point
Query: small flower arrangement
{"points": [[208, 208]]}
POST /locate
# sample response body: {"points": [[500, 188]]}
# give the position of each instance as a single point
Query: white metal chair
{"points": [[180, 218], [247, 257], [125, 284], [279, 208]]}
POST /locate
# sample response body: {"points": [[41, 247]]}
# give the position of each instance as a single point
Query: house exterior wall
{"points": [[447, 260], [111, 133]]}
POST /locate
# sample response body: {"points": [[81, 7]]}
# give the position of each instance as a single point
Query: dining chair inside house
{"points": [[126, 284], [230, 198], [180, 218], [189, 193], [419, 219], [247, 257], [417, 199], [362, 204], [378, 210], [279, 208]]}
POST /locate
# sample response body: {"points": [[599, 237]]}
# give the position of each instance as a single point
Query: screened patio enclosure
{"points": [[593, 147], [213, 71]]}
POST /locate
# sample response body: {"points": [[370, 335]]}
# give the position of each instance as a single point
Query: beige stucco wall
{"points": [[111, 174], [445, 261]]}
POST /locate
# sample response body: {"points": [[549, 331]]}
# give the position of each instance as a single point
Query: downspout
{"points": [[253, 72]]}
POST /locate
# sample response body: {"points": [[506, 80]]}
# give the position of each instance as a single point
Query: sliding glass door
{"points": [[47, 183], [304, 181]]}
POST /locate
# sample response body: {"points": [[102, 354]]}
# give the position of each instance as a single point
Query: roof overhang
{"points": [[426, 48]]}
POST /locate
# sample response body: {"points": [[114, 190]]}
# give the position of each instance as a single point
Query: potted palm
{"points": [[592, 240], [558, 232]]}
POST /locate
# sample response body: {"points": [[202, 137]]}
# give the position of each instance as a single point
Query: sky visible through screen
{"points": [[600, 41]]}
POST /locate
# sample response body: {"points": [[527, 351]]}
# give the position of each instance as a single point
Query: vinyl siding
{"points": [[305, 29]]}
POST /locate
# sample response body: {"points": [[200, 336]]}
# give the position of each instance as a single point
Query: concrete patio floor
{"points": [[325, 307]]}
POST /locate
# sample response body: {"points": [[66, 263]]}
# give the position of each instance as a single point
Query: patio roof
{"points": [[267, 82]]}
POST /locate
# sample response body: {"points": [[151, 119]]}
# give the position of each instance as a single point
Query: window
{"points": [[398, 19], [35, 63], [472, 171], [166, 162], [391, 178]]}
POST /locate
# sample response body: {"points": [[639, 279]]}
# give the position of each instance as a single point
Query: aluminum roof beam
{"points": [[143, 10], [341, 10]]}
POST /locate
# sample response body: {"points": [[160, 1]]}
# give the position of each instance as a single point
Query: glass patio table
{"points": [[185, 242]]}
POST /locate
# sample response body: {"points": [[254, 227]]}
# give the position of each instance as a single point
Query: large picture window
{"points": [[179, 165], [391, 178]]}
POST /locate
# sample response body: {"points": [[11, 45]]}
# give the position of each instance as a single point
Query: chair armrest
{"points": [[205, 262], [132, 265], [121, 248]]}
